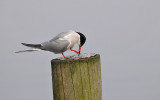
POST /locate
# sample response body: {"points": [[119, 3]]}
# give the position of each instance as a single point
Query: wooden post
{"points": [[77, 79]]}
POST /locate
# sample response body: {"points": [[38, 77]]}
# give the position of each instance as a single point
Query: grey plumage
{"points": [[30, 50], [58, 44], [33, 45]]}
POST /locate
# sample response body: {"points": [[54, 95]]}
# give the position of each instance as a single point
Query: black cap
{"points": [[82, 38]]}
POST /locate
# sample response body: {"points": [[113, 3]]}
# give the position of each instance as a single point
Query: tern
{"points": [[60, 43]]}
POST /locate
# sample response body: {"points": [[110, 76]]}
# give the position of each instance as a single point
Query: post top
{"points": [[84, 56]]}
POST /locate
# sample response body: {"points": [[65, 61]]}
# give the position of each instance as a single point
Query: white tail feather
{"points": [[30, 50]]}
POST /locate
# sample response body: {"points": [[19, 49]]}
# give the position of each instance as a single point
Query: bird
{"points": [[60, 43]]}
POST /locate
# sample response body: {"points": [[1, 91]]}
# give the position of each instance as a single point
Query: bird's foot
{"points": [[65, 56]]}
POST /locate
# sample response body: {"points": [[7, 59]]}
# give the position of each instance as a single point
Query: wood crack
{"points": [[81, 79], [72, 81], [89, 79], [62, 80], [56, 77]]}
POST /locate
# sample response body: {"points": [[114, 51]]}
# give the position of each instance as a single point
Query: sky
{"points": [[125, 33]]}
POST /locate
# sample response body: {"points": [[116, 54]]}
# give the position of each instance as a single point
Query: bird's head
{"points": [[82, 40]]}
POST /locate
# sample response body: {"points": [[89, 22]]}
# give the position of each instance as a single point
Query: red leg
{"points": [[74, 50], [65, 56]]}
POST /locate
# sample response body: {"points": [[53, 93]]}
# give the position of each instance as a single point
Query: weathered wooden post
{"points": [[77, 79]]}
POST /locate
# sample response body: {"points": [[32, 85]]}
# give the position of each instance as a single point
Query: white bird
{"points": [[60, 43]]}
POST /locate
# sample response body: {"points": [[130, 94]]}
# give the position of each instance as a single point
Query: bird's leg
{"points": [[74, 50], [77, 51], [65, 56]]}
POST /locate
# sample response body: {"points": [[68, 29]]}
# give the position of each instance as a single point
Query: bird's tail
{"points": [[35, 47], [30, 50], [38, 46]]}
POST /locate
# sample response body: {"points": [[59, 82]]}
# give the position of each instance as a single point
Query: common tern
{"points": [[60, 43]]}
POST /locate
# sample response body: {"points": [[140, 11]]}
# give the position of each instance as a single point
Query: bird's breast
{"points": [[72, 38]]}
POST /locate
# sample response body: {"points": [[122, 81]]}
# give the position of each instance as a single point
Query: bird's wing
{"points": [[56, 46], [60, 35]]}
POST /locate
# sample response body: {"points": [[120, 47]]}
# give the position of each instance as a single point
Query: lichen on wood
{"points": [[77, 79]]}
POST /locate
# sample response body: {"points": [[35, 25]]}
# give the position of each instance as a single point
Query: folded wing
{"points": [[56, 46]]}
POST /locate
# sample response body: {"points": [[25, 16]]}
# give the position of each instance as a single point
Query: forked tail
{"points": [[30, 50], [35, 47]]}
